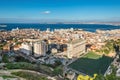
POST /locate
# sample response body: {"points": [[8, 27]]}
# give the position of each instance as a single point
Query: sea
{"points": [[43, 27]]}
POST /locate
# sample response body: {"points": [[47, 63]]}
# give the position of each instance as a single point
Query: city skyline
{"points": [[59, 10]]}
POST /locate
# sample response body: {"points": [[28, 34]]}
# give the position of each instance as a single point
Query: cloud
{"points": [[46, 12]]}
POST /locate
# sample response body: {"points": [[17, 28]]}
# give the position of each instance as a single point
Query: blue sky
{"points": [[22, 10]]}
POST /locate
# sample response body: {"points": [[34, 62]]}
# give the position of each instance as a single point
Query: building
{"points": [[40, 48], [70, 75], [54, 50], [26, 48], [76, 48]]}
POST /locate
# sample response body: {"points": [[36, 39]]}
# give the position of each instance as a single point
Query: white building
{"points": [[40, 48], [26, 48], [54, 51], [76, 48], [48, 30]]}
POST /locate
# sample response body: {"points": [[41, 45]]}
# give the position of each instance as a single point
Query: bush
{"points": [[29, 66], [21, 65], [6, 76], [5, 58], [58, 70], [29, 76]]}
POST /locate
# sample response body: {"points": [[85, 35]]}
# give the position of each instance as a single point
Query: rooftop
{"points": [[75, 41]]}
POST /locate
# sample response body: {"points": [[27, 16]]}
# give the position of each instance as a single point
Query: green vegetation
{"points": [[29, 66], [92, 63], [58, 70], [17, 43], [109, 46], [29, 76], [57, 67], [92, 55], [20, 65], [56, 64], [2, 44], [15, 40], [1, 48], [5, 58], [6, 76]]}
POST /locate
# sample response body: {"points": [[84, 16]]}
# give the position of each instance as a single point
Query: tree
{"points": [[5, 58], [58, 70], [100, 77]]}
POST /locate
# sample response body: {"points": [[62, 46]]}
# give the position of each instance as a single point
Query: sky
{"points": [[61, 10]]}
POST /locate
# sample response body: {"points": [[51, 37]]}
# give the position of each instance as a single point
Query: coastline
{"points": [[43, 27]]}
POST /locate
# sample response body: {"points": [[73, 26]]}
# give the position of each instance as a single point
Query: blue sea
{"points": [[86, 27]]}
